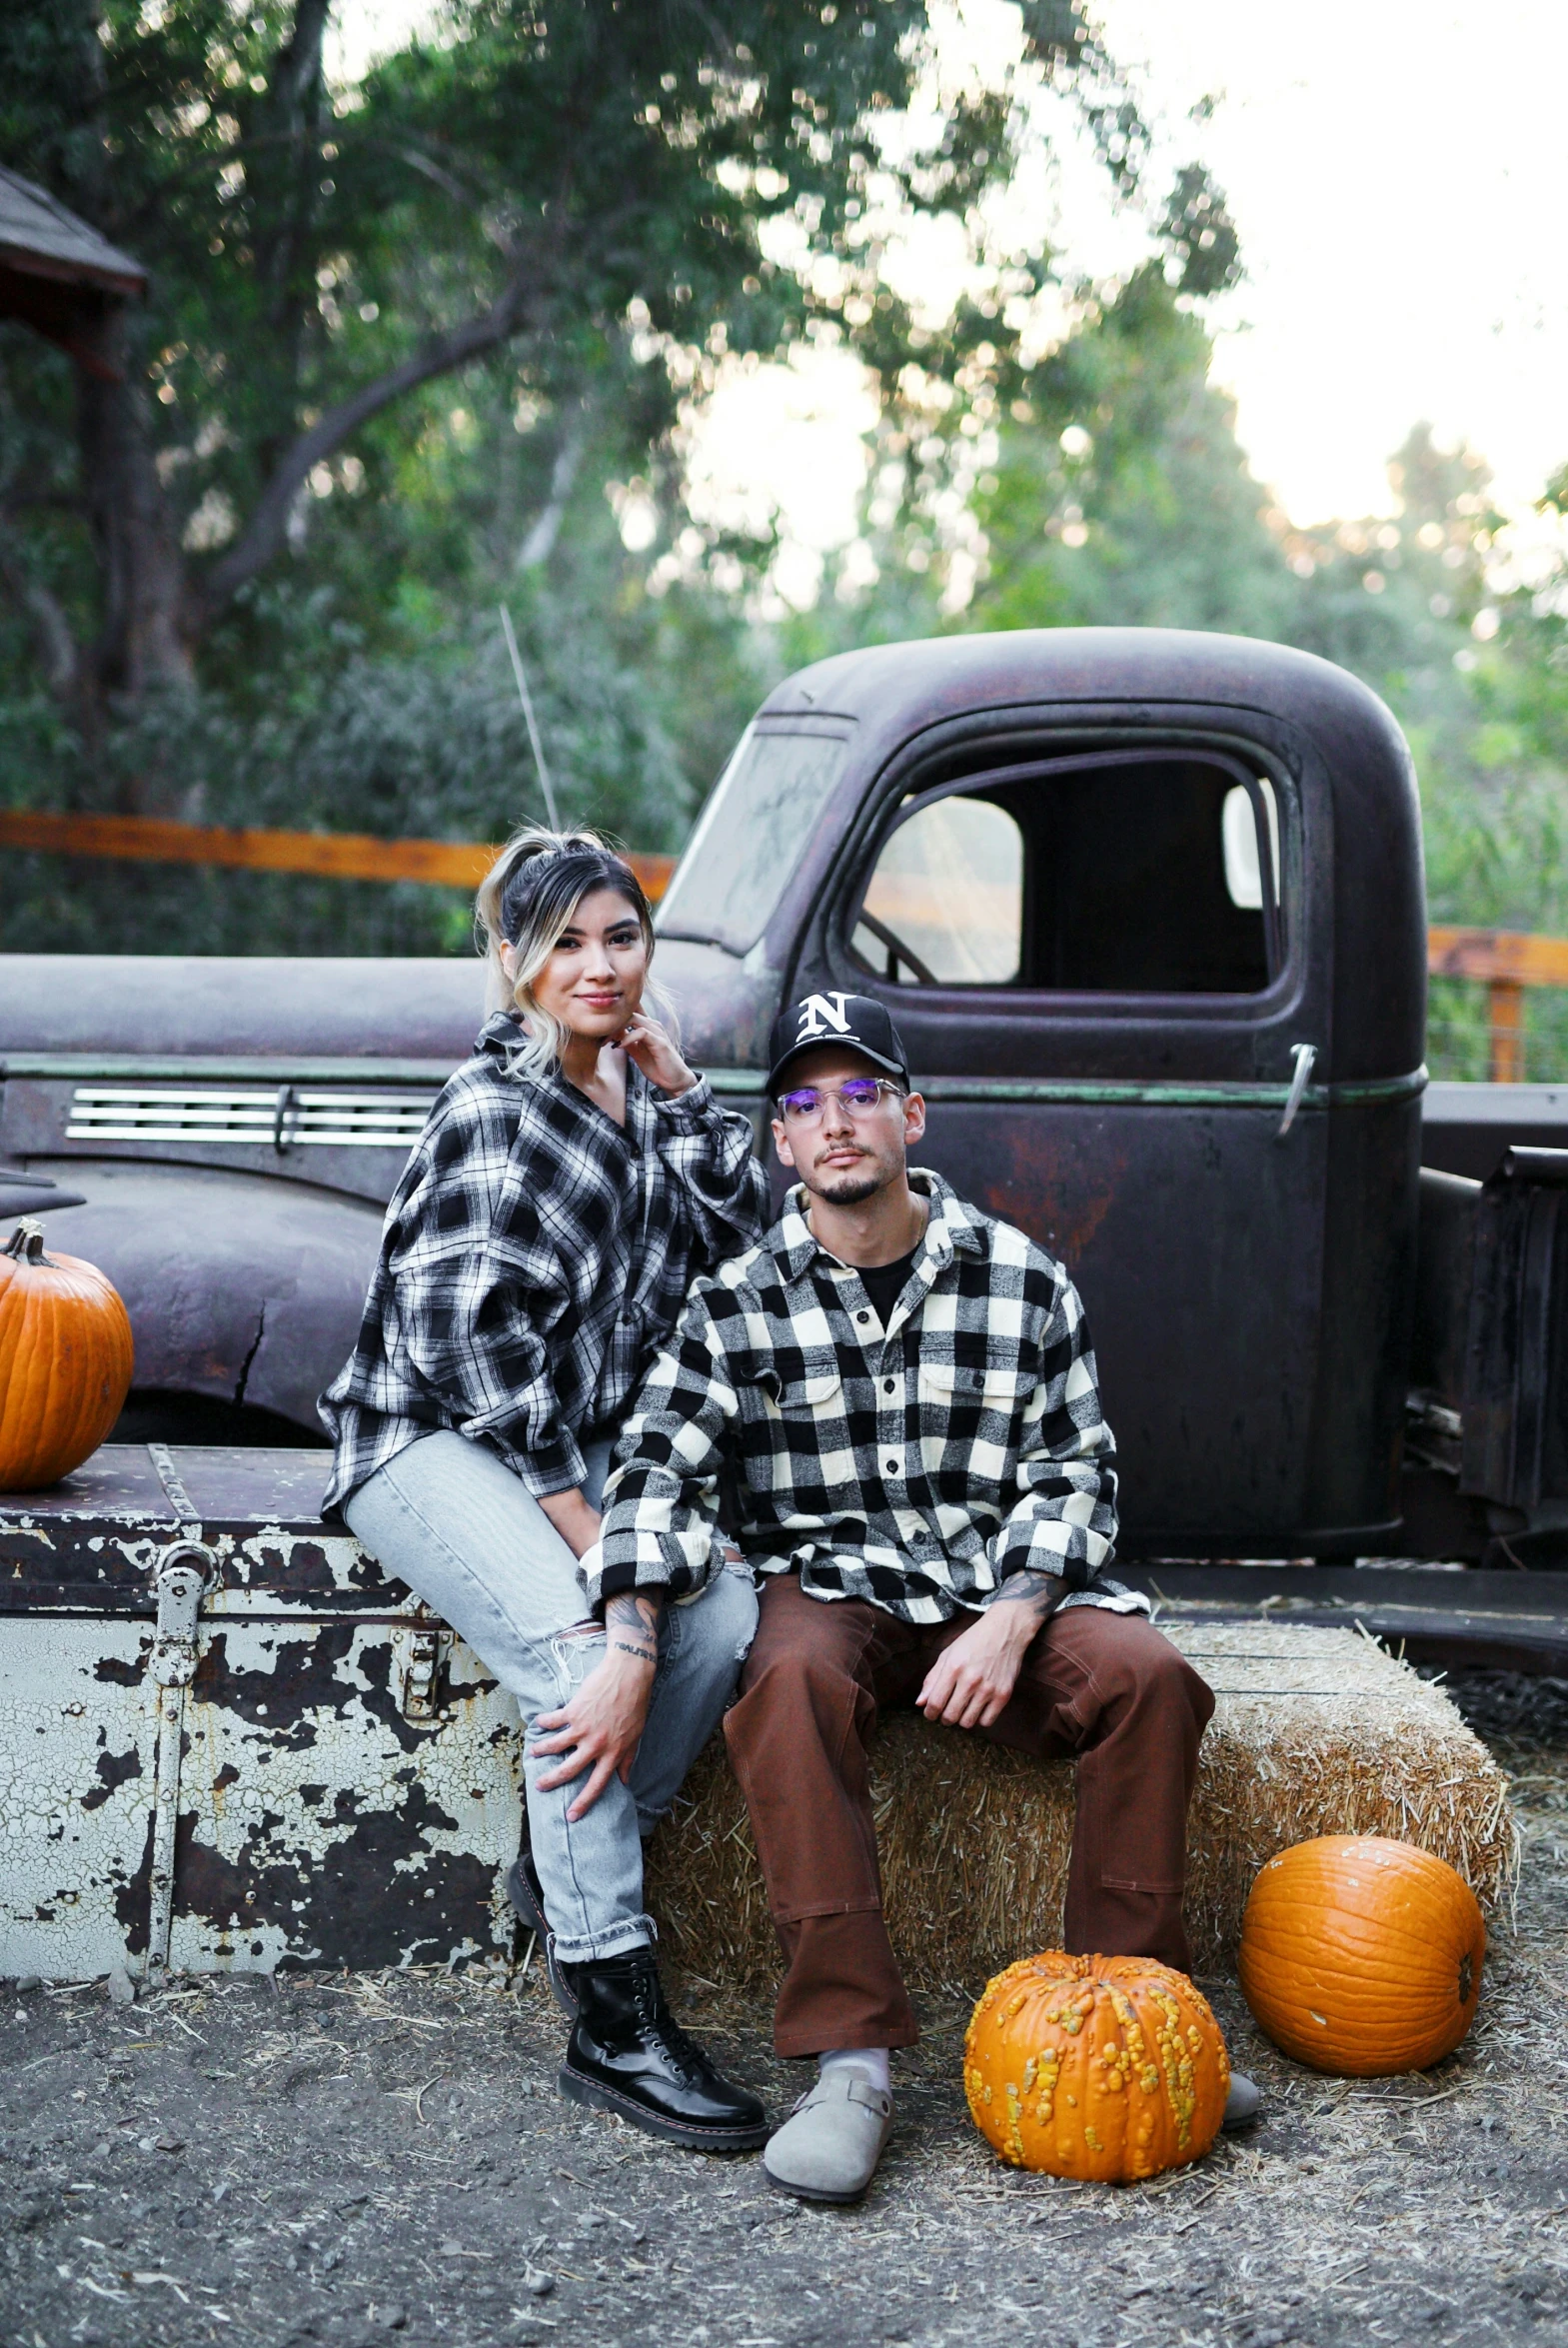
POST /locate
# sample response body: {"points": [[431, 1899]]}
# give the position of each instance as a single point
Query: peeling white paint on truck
{"points": [[76, 1770], [227, 1742]]}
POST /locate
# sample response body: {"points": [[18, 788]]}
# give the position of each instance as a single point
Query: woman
{"points": [[574, 1176]]}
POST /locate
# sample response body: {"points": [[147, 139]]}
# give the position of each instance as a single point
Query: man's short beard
{"points": [[851, 1189]]}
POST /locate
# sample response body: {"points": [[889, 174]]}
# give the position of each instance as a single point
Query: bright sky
{"points": [[1398, 172]]}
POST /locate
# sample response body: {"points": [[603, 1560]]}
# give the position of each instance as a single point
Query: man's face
{"points": [[845, 1154]]}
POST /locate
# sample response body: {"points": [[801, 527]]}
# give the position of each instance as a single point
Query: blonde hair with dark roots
{"points": [[527, 901]]}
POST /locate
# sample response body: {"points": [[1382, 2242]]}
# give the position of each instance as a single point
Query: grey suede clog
{"points": [[829, 2148]]}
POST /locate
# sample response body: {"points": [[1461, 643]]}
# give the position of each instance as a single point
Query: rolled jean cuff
{"points": [[634, 1932]]}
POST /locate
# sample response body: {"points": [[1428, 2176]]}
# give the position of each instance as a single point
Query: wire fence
{"points": [[1462, 1045]]}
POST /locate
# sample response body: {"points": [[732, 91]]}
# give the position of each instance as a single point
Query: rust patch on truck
{"points": [[113, 1769], [342, 1897], [1058, 1187], [302, 1680]]}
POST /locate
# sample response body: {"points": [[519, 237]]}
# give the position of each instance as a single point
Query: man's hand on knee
{"points": [[600, 1727], [970, 1682]]}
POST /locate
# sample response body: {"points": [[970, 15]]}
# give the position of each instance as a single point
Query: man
{"points": [[902, 1390]]}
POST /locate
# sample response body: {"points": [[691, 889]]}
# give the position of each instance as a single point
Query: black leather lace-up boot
{"points": [[628, 2054]]}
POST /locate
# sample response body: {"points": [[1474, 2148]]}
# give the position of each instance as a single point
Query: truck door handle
{"points": [[1304, 1055]]}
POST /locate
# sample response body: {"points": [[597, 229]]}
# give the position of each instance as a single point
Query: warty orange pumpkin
{"points": [[65, 1360], [1362, 1956], [1106, 2068]]}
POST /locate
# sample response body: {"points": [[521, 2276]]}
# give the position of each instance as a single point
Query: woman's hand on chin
{"points": [[648, 1043]]}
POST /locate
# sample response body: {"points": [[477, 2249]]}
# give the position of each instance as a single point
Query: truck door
{"points": [[1108, 962]]}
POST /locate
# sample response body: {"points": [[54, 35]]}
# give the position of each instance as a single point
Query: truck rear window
{"points": [[750, 835], [1153, 874]]}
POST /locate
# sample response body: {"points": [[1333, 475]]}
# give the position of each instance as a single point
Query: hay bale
{"points": [[1314, 1733]]}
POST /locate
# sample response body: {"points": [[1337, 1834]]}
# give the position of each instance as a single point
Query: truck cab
{"points": [[1147, 909]]}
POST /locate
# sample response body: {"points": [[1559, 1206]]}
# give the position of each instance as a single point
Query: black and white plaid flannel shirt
{"points": [[534, 1257], [916, 1464]]}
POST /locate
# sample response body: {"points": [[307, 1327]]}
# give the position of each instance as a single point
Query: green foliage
{"points": [[1477, 673], [1119, 495], [399, 343], [1200, 232], [520, 181], [427, 743]]}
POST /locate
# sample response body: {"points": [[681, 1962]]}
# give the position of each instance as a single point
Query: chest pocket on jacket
{"points": [[821, 1396], [948, 1387]]}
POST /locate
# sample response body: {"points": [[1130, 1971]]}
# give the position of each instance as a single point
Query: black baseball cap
{"points": [[851, 1019]]}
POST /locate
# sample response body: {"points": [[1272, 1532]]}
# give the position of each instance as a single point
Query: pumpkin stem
{"points": [[26, 1242]]}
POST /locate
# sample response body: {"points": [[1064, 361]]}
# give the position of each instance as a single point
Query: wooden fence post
{"points": [[1505, 1002]]}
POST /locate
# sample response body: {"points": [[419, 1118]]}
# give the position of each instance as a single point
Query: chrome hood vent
{"points": [[287, 1115]]}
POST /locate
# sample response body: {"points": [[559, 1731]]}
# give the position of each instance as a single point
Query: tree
{"points": [[1118, 494], [530, 180]]}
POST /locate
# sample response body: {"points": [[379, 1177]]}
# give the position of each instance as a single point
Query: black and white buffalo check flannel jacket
{"points": [[534, 1257], [916, 1464]]}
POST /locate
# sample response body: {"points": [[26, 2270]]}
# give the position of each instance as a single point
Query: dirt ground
{"points": [[346, 2160]]}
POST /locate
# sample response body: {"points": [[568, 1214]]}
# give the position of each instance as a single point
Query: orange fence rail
{"points": [[1505, 961], [339, 855]]}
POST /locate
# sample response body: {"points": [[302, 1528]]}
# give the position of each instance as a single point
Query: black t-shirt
{"points": [[883, 1283]]}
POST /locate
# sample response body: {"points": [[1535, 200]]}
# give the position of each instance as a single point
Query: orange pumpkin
{"points": [[65, 1360], [1362, 1956], [1108, 2068]]}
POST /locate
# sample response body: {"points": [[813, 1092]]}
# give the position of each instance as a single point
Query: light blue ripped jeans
{"points": [[458, 1526]]}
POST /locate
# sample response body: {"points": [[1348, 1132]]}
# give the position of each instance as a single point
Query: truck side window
{"points": [[946, 903], [1140, 872]]}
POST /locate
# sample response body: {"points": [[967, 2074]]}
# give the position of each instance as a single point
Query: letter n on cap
{"points": [[819, 1012]]}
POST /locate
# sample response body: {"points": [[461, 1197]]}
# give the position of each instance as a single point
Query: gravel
{"points": [[353, 2160]]}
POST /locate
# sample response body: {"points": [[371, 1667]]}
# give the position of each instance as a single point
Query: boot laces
{"points": [[654, 2015]]}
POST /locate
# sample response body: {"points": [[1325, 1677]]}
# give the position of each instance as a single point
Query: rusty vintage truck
{"points": [[1149, 910]]}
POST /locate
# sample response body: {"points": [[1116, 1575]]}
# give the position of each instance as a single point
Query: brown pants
{"points": [[1107, 1688]]}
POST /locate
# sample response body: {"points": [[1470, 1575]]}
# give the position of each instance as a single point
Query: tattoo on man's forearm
{"points": [[634, 1614], [634, 1607], [1022, 1588]]}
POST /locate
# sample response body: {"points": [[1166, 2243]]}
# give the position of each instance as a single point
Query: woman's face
{"points": [[593, 981]]}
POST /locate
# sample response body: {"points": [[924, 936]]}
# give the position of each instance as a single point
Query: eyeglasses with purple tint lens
{"points": [[859, 1096]]}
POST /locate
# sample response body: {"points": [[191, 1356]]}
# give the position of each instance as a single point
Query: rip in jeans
{"points": [[572, 1665]]}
